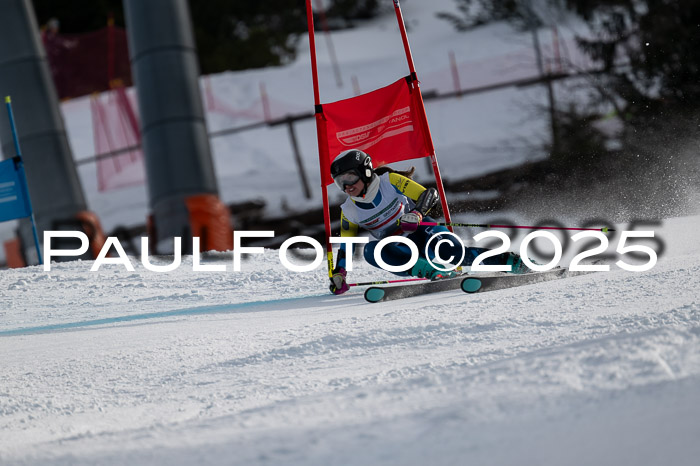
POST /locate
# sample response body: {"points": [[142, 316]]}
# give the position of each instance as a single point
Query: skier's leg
{"points": [[450, 249], [393, 254], [397, 254], [506, 258]]}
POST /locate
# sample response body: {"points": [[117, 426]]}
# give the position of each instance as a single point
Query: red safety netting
{"points": [[85, 63], [264, 108], [115, 127], [385, 123]]}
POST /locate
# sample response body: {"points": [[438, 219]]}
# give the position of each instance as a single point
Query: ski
{"points": [[482, 283], [467, 283], [376, 294]]}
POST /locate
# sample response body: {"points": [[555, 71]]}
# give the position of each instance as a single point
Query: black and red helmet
{"points": [[353, 162]]}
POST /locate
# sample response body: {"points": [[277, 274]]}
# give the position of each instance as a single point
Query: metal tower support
{"points": [[53, 181], [179, 165]]}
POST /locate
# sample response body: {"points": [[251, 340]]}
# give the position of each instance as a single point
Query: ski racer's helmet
{"points": [[350, 166]]}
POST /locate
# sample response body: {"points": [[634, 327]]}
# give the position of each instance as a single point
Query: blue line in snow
{"points": [[221, 308]]}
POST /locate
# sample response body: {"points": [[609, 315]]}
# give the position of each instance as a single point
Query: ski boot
{"points": [[516, 263], [423, 269]]}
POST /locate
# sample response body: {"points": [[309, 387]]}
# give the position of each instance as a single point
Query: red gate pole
{"points": [[321, 135], [424, 119]]}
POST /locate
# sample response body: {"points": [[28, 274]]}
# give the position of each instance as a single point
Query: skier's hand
{"points": [[409, 222], [338, 283]]}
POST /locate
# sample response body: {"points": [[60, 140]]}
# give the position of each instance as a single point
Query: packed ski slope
{"points": [[263, 366]]}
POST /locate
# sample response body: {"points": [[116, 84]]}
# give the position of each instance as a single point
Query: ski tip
{"points": [[471, 285], [374, 295]]}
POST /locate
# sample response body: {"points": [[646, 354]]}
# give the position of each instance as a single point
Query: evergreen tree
{"points": [[649, 49], [648, 54], [78, 16]]}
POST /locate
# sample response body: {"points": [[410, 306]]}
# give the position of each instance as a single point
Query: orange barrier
{"points": [[13, 254], [93, 229], [210, 220]]}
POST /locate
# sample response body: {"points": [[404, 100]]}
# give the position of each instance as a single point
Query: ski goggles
{"points": [[346, 179]]}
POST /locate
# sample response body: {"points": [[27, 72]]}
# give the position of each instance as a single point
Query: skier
{"points": [[386, 202]]}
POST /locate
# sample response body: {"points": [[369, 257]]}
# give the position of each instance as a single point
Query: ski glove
{"points": [[409, 222], [427, 200], [338, 283]]}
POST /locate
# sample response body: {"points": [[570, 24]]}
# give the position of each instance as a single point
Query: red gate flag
{"points": [[386, 123], [390, 124]]}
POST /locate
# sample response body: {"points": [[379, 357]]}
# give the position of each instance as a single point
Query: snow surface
{"points": [[264, 366]]}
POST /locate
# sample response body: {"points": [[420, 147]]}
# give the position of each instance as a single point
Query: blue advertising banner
{"points": [[13, 197]]}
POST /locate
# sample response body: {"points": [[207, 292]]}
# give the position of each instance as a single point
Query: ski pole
{"points": [[525, 227]]}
